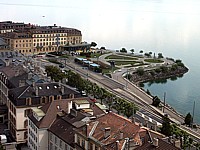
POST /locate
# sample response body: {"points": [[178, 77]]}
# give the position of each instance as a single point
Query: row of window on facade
{"points": [[81, 142], [33, 136], [32, 126], [32, 144], [58, 143], [49, 35], [44, 100], [12, 108], [12, 119]]}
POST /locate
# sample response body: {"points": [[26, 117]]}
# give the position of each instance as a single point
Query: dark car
{"points": [[61, 66]]}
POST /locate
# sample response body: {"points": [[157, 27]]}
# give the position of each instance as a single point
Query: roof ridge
{"points": [[93, 128], [126, 119], [23, 92]]}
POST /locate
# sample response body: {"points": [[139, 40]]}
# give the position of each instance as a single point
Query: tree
{"points": [[55, 73], [132, 51], [156, 101], [188, 119], [166, 127], [190, 142], [128, 109], [150, 53], [93, 44], [160, 55], [141, 51], [123, 50], [103, 48], [140, 71]]}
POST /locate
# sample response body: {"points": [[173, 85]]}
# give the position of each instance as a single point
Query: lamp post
{"points": [[164, 102], [193, 114], [127, 73]]}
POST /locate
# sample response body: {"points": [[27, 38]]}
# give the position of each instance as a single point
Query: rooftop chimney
{"points": [[155, 142], [133, 120], [69, 107], [177, 143], [36, 91], [117, 145], [71, 95], [121, 135], [62, 89], [107, 132]]}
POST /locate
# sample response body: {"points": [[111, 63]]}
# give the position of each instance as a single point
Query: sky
{"points": [[101, 21]]}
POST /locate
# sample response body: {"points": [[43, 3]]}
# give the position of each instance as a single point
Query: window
{"points": [[50, 136], [51, 146], [78, 140], [91, 146], [83, 143], [43, 100], [61, 144], [25, 123], [28, 101], [56, 140], [26, 112], [96, 148], [59, 97], [25, 135]]}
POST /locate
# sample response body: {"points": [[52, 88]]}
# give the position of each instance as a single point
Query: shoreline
{"points": [[148, 77], [145, 79]]}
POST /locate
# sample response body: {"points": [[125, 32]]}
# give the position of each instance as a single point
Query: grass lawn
{"points": [[120, 57], [154, 60], [118, 63], [109, 70], [133, 55], [64, 56], [95, 55]]}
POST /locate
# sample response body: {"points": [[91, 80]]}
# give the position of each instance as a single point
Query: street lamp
{"points": [[127, 73]]}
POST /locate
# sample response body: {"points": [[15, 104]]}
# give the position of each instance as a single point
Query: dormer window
{"points": [[40, 87], [28, 101], [43, 100], [59, 97]]}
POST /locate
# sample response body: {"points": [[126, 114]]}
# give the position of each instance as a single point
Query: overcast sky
{"points": [[99, 19]]}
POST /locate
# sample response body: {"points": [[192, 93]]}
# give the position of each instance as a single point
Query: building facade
{"points": [[30, 39]]}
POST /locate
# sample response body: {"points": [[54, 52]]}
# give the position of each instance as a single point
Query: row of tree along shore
{"points": [[163, 72]]}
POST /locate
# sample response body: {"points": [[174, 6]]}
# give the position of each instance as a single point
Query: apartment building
{"points": [[23, 99], [52, 126], [30, 39], [9, 26]]}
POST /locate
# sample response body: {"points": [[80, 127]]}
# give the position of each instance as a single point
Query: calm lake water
{"points": [[166, 26]]}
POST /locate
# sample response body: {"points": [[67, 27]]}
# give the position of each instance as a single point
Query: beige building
{"points": [[29, 39]]}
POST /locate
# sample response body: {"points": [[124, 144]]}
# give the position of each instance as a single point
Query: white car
{"points": [[120, 70]]}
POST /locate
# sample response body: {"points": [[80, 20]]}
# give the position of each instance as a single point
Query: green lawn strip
{"points": [[64, 56], [53, 61], [95, 55], [120, 57], [109, 70], [118, 63], [154, 60], [132, 55]]}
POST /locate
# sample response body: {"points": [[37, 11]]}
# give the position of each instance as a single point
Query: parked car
{"points": [[61, 66]]}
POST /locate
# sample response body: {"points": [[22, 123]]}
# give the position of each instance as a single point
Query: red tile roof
{"points": [[120, 128]]}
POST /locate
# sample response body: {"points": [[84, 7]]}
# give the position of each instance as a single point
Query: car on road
{"points": [[120, 70], [61, 66]]}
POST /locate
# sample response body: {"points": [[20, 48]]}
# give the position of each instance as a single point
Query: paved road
{"points": [[125, 89]]}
